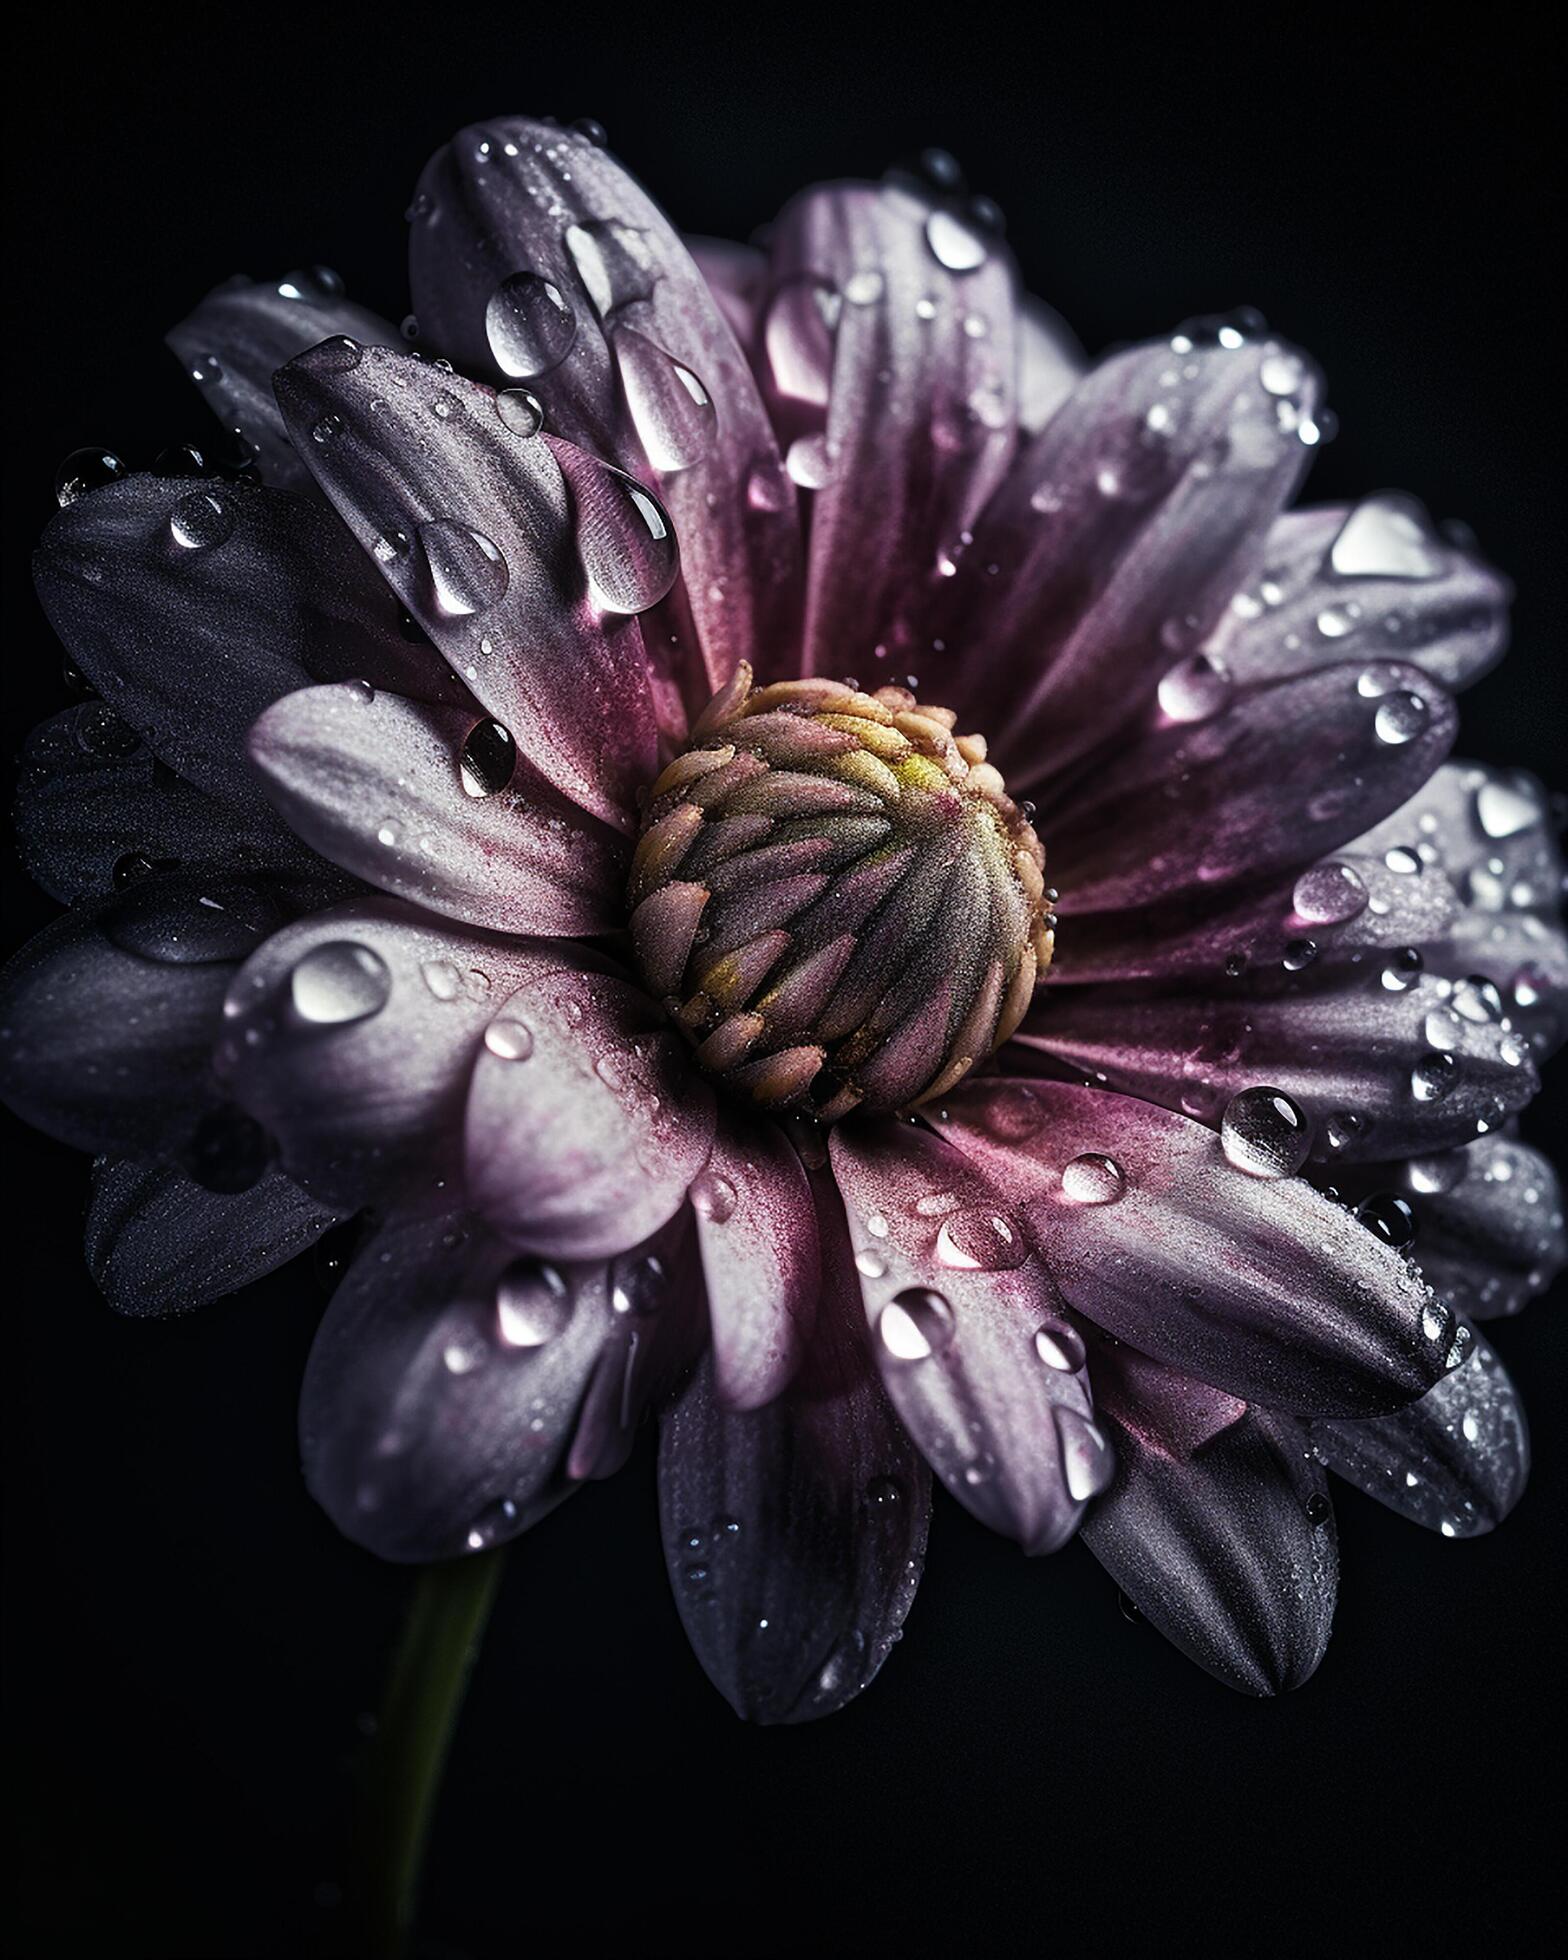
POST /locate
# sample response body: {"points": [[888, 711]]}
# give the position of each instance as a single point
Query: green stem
{"points": [[424, 1696]]}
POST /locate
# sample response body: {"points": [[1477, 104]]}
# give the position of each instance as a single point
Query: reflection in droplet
{"points": [[530, 326], [915, 1324], [1264, 1133], [338, 982]]}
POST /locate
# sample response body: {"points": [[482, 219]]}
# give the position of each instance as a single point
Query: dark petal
{"points": [[433, 805], [107, 1017], [586, 1120], [956, 1300], [89, 821], [1259, 1285], [351, 1036], [519, 205], [1231, 1554], [157, 1243], [447, 1383], [1379, 1061], [1456, 1461], [238, 338], [486, 541], [188, 642], [795, 1533], [1278, 776], [1114, 545], [1489, 833], [1488, 1221], [757, 1229], [1365, 583], [920, 405]]}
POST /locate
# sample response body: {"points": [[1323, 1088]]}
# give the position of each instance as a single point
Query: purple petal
{"points": [[1280, 775], [1114, 545], [1258, 1285], [1051, 363], [351, 1035], [94, 809], [192, 604], [795, 1534], [968, 1332], [243, 332], [758, 1231], [737, 277], [1365, 583], [107, 1017], [517, 554], [920, 379], [1380, 1062], [1456, 1461], [157, 1243], [533, 255], [1231, 1553], [447, 1383], [586, 1122], [433, 805]]}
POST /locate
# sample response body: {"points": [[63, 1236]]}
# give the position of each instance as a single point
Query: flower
{"points": [[474, 835]]}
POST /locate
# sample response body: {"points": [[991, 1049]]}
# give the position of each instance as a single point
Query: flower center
{"points": [[835, 898]]}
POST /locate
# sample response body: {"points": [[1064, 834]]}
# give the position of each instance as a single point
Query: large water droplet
{"points": [[982, 1238], [1401, 717], [714, 1198], [1329, 894], [530, 325], [1087, 1462], [1093, 1179], [953, 244], [338, 982], [1194, 688], [467, 572], [1387, 1215], [202, 520], [509, 1040], [1265, 1134], [1059, 1346], [915, 1323], [1433, 1077], [520, 411], [670, 408], [532, 1304], [1504, 808], [488, 759], [1386, 536], [84, 470], [624, 537]]}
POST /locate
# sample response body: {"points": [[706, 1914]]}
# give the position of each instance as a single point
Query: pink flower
{"points": [[478, 835]]}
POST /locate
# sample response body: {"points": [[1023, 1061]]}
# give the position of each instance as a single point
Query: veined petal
{"points": [[1230, 1553], [159, 1243], [968, 1333], [434, 805], [585, 1122], [1456, 1461], [534, 256], [757, 1229], [1372, 581], [243, 332], [1259, 1285]]}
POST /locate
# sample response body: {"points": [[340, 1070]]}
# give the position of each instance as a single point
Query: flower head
{"points": [[589, 806]]}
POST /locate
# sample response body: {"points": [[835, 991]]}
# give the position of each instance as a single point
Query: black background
{"points": [[191, 1650]]}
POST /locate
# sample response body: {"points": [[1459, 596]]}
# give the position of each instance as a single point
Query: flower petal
{"points": [[1259, 1285], [192, 604], [1339, 583], [1230, 1553], [966, 1328], [490, 536], [737, 277], [534, 255], [107, 1017], [758, 1232], [795, 1533], [1456, 1461], [446, 1385], [95, 807], [1279, 776], [920, 401], [1051, 363], [158, 1243], [1114, 545], [351, 1035], [434, 806], [1380, 1062], [586, 1122]]}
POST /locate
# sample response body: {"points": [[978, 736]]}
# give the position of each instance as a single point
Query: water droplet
{"points": [[1386, 536], [101, 731], [624, 537], [1087, 1463], [467, 572], [338, 982], [884, 1493], [1093, 1179], [982, 1239], [714, 1198], [509, 1040], [488, 759], [1504, 808], [1477, 999], [530, 325], [84, 470], [870, 1263], [1265, 1134], [639, 1284], [1433, 1077], [670, 408], [532, 1304], [520, 411], [953, 244], [1329, 894], [916, 1323], [1403, 971], [1298, 954], [1282, 373], [1400, 717], [442, 979], [1319, 1508], [328, 429], [1194, 688], [494, 1522], [1059, 1346], [864, 288], [1389, 1217]]}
